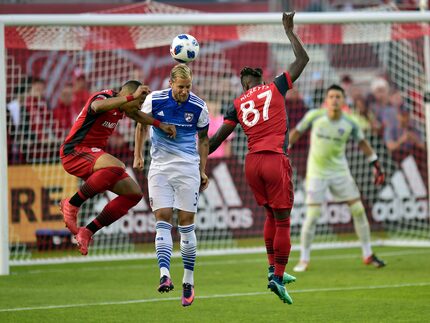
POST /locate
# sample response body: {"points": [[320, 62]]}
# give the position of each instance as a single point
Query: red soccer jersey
{"points": [[262, 114], [92, 129]]}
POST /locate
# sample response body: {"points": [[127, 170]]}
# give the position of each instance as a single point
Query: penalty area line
{"points": [[154, 300]]}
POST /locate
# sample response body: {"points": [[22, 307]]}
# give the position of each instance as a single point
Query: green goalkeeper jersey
{"points": [[328, 142]]}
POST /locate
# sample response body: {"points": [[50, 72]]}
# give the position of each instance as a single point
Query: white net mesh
{"points": [[75, 61]]}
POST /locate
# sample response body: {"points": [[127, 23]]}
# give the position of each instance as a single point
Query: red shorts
{"points": [[80, 162], [270, 177]]}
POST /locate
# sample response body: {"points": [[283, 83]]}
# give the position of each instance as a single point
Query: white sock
{"points": [[188, 251], [361, 226], [163, 246], [307, 233]]}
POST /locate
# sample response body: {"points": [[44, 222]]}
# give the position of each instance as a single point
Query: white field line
{"points": [[156, 300], [216, 252], [200, 263]]}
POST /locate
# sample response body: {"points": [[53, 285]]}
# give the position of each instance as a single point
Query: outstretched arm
{"points": [[302, 58], [100, 106], [372, 158], [294, 136], [222, 134], [146, 119]]}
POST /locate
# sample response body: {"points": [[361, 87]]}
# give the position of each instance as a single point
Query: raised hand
{"points": [[287, 20]]}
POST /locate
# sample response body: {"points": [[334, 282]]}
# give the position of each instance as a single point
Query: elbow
{"points": [[304, 60], [96, 106]]}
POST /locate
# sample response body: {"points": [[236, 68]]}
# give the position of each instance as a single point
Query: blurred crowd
{"points": [[37, 129]]}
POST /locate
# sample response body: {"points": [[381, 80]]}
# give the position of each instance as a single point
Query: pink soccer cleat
{"points": [[166, 284], [70, 215], [187, 294], [375, 261], [83, 238]]}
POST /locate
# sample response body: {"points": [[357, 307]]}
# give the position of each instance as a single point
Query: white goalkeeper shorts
{"points": [[341, 189], [175, 185]]}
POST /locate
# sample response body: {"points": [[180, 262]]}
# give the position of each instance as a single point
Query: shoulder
{"points": [[159, 95], [315, 114], [103, 94], [350, 120], [196, 101]]}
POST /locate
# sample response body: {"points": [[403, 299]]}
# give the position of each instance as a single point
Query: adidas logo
{"points": [[404, 197], [220, 205], [161, 113]]}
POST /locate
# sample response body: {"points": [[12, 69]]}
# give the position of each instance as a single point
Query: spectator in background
{"points": [[402, 137], [296, 108], [380, 105], [13, 120], [216, 120], [347, 83], [37, 126], [35, 115], [365, 118], [14, 107], [80, 91], [63, 112], [318, 93]]}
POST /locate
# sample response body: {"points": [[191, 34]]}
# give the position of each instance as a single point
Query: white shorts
{"points": [[175, 185], [341, 188]]}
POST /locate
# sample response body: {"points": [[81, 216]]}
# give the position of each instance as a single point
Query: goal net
{"points": [[51, 70]]}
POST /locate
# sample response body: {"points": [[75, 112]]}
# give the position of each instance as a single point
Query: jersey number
{"points": [[248, 108]]}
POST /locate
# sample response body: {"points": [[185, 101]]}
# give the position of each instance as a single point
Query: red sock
{"points": [[282, 245], [100, 181], [269, 235], [116, 208]]}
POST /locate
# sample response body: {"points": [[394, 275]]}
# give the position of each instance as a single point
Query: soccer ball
{"points": [[184, 48]]}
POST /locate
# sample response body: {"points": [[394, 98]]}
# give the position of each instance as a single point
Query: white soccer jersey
{"points": [[189, 117], [327, 157]]}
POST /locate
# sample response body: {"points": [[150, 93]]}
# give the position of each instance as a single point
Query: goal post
{"points": [[4, 191], [107, 49]]}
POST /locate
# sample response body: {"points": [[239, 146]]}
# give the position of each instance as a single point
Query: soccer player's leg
{"points": [[280, 197], [186, 186], [100, 171], [361, 226], [269, 236], [315, 194], [161, 198], [345, 189], [307, 233], [188, 245], [163, 249], [129, 194]]}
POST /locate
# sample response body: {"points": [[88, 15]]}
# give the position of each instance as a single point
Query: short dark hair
{"points": [[251, 72], [131, 85], [337, 88]]}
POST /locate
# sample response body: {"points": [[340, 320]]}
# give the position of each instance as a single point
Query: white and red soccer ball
{"points": [[184, 48]]}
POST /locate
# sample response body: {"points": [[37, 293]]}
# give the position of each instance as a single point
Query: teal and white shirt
{"points": [[189, 117], [327, 157]]}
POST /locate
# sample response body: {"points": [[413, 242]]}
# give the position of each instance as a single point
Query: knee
{"points": [[281, 214], [313, 212], [357, 209], [164, 215], [134, 198]]}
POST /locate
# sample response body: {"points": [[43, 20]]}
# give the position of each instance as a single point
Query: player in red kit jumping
{"points": [[261, 112], [82, 155]]}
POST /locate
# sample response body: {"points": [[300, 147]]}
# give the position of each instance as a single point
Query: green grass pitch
{"points": [[337, 288]]}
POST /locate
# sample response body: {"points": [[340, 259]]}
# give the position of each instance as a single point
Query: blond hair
{"points": [[181, 71]]}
